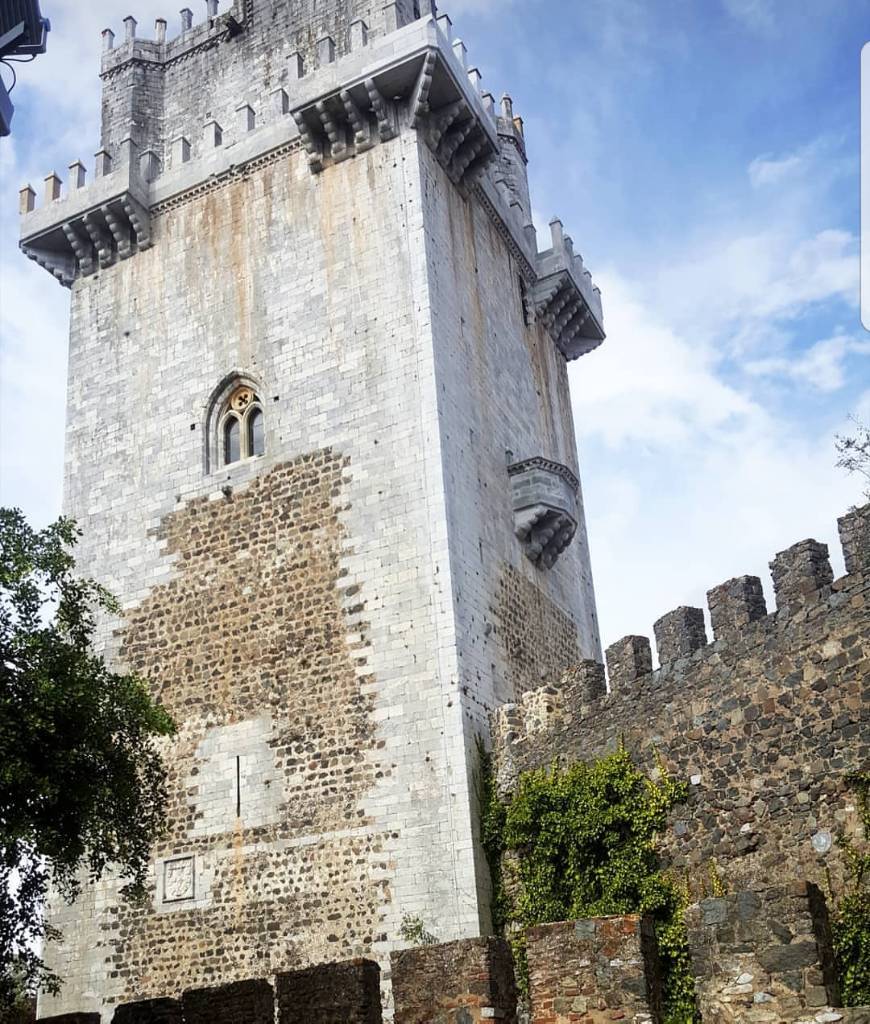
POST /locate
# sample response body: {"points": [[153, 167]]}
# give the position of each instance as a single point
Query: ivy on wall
{"points": [[850, 921], [579, 841]]}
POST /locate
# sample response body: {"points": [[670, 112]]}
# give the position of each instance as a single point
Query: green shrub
{"points": [[581, 841], [850, 921]]}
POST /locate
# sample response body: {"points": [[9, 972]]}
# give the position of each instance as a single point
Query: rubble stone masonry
{"points": [[765, 725]]}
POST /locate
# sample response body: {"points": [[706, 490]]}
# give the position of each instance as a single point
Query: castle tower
{"points": [[320, 445]]}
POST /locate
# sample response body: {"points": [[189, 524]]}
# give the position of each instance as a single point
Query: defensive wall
{"points": [[768, 723], [758, 956]]}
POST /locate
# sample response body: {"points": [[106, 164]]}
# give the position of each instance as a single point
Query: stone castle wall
{"points": [[759, 956], [765, 724]]}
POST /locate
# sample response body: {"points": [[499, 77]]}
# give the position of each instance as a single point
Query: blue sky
{"points": [[704, 155]]}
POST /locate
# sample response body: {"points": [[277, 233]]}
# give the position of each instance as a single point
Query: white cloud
{"points": [[721, 476], [770, 171], [689, 481], [735, 289], [757, 15], [822, 366]]}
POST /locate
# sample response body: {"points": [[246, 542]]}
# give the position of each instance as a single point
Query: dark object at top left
{"points": [[23, 32]]}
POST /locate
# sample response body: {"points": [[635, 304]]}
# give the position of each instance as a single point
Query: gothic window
{"points": [[242, 427]]}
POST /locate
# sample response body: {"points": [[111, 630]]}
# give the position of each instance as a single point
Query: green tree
{"points": [[82, 782]]}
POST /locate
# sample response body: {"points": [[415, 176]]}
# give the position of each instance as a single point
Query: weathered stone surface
{"points": [[538, 637], [343, 993], [595, 970], [331, 621], [455, 983], [761, 948], [241, 1002], [680, 633], [627, 660], [736, 604], [800, 575], [855, 538]]}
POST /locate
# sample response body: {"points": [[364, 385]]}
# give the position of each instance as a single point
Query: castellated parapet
{"points": [[766, 724], [187, 113], [309, 321]]}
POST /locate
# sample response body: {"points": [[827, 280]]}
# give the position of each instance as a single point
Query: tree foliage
{"points": [[850, 920], [580, 841], [82, 783], [853, 451]]}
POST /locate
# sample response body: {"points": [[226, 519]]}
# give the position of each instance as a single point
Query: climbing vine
{"points": [[851, 917], [579, 841]]}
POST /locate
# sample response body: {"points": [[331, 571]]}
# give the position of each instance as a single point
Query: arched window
{"points": [[256, 432], [242, 427]]}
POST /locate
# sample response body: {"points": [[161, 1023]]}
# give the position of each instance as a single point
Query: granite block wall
{"points": [[456, 983], [594, 971], [342, 993], [294, 611], [765, 725]]}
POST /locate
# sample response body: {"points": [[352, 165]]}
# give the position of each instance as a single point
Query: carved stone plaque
{"points": [[178, 880]]}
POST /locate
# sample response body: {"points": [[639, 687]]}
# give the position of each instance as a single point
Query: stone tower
{"points": [[320, 444]]}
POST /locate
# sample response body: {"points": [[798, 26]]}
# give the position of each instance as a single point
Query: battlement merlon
{"points": [[414, 76]]}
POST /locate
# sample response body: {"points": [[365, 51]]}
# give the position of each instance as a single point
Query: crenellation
{"points": [[359, 34], [738, 720], [680, 633], [854, 529], [102, 163], [584, 684], [26, 199], [279, 102], [597, 969], [325, 51], [801, 575], [471, 982], [53, 186], [460, 51], [246, 118], [628, 659], [736, 604], [179, 151], [149, 166], [77, 174], [332, 620], [212, 134]]}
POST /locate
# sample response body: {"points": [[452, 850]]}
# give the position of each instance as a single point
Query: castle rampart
{"points": [[766, 724]]}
